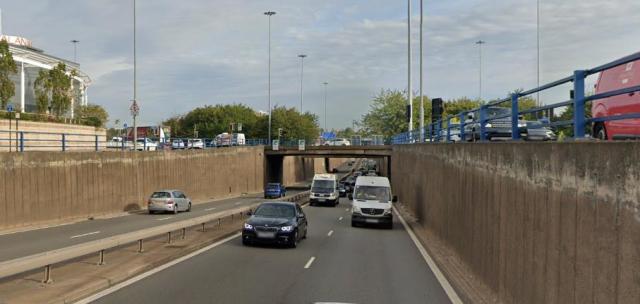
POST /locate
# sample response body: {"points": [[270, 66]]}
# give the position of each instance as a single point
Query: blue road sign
{"points": [[125, 125], [9, 108]]}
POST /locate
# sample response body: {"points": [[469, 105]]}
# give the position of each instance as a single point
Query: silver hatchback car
{"points": [[168, 201]]}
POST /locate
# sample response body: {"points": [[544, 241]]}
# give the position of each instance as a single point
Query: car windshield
{"points": [[534, 125], [275, 210], [273, 186], [372, 193], [323, 186], [161, 195]]}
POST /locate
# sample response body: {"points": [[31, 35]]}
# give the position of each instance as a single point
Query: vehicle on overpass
{"points": [[277, 223], [146, 144], [195, 143], [324, 190], [619, 77], [177, 144], [223, 140], [372, 202], [496, 129], [275, 190], [338, 142], [172, 201], [536, 131], [238, 139]]}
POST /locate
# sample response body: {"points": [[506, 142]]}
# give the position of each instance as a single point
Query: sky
{"points": [[202, 52]]}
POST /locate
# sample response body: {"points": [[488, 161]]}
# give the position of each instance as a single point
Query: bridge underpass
{"points": [[274, 160]]}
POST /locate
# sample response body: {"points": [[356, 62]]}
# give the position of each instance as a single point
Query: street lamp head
{"points": [[302, 55], [75, 41], [325, 83], [269, 13], [480, 42]]}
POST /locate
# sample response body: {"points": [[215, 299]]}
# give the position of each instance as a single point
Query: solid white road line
{"points": [[86, 234], [151, 272], [209, 209], [340, 218], [346, 209], [330, 233], [164, 218], [451, 293], [306, 266]]}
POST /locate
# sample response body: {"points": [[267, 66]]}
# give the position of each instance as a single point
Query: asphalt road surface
{"points": [[335, 264], [26, 243]]}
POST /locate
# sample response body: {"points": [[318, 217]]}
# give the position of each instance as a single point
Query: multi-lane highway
{"points": [[26, 243], [335, 264]]}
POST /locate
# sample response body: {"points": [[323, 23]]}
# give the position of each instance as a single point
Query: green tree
{"points": [[54, 89], [387, 114], [7, 67], [93, 115], [294, 125]]}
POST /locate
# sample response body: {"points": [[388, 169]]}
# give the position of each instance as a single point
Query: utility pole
{"points": [[480, 43], [269, 14], [135, 109], [325, 105], [302, 56], [75, 50], [421, 72], [409, 89]]}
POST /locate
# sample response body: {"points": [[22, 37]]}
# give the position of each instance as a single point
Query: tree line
{"points": [[209, 121], [53, 91]]}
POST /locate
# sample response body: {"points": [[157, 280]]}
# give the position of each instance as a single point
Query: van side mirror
{"points": [[395, 199], [350, 196]]}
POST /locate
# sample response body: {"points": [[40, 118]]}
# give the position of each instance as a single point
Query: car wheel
{"points": [[600, 132], [353, 224], [175, 209], [189, 209], [312, 204], [246, 242], [305, 232], [389, 226], [294, 241], [151, 212]]}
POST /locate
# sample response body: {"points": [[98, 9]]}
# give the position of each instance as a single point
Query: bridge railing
{"points": [[473, 129]]}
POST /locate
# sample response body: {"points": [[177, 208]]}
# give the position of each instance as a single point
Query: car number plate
{"points": [[321, 200], [266, 235], [371, 220]]}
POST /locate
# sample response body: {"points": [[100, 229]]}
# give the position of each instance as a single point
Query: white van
{"points": [[324, 190], [372, 201]]}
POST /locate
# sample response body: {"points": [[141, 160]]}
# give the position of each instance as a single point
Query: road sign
{"points": [[9, 108], [275, 145], [301, 145], [239, 127], [125, 125]]}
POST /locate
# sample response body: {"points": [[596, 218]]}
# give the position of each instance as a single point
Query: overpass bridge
{"points": [[274, 159]]}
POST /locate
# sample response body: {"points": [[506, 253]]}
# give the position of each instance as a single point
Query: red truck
{"points": [[620, 77]]}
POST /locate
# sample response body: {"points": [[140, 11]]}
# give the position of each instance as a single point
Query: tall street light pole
{"points": [[409, 89], [75, 50], [421, 73], [325, 105], [269, 14], [135, 109], [480, 43], [302, 56]]}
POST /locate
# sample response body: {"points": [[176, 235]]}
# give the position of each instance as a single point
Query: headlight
{"points": [[286, 228], [356, 209], [248, 227], [488, 125], [387, 212], [521, 125]]}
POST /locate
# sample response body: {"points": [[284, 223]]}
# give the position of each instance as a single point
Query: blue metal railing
{"points": [[579, 122]]}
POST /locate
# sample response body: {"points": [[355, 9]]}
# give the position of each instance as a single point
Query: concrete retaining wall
{"points": [[537, 223], [83, 138]]}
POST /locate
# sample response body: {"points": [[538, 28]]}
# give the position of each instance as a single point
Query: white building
{"points": [[30, 61]]}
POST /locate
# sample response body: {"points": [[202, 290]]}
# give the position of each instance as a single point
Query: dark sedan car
{"points": [[276, 223], [275, 190]]}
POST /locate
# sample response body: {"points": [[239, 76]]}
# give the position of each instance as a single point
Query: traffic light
{"points": [[437, 109], [280, 132]]}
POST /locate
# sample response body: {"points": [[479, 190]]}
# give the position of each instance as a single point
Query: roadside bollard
{"points": [[184, 233], [140, 248], [169, 237], [219, 222], [203, 229], [101, 258], [47, 275]]}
